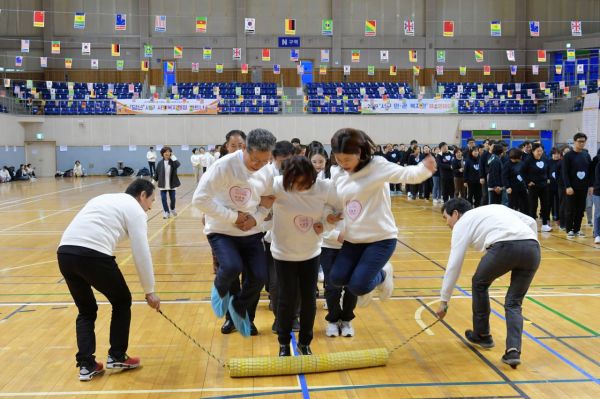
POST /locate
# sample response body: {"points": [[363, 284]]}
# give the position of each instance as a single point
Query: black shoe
{"points": [[485, 342], [296, 325], [304, 350], [512, 357], [284, 350], [228, 327], [274, 327], [253, 329]]}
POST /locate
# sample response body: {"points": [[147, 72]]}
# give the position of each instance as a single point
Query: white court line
{"points": [[40, 218], [420, 321], [18, 201], [29, 265]]}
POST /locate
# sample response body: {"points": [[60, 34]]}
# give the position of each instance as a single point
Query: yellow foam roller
{"points": [[269, 366]]}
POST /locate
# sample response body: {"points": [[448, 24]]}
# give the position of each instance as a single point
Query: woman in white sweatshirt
{"points": [[370, 232], [196, 160]]}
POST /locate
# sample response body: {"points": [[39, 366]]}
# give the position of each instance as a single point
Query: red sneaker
{"points": [[125, 363], [85, 374]]}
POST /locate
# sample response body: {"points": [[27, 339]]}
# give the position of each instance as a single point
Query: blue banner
{"points": [[288, 41]]}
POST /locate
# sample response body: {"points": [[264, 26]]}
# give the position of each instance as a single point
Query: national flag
{"points": [[290, 26], [55, 47], [510, 55], [370, 27], [24, 45], [535, 69], [439, 69], [148, 52], [145, 65], [115, 50], [195, 67], [7, 83], [393, 70], [250, 26], [371, 70], [170, 66], [324, 55], [219, 68], [409, 27], [294, 54], [39, 18], [534, 28], [582, 84], [19, 60], [513, 70], [347, 70], [207, 53], [177, 52], [236, 53], [244, 68], [487, 70], [441, 56], [558, 69], [576, 28], [462, 70], [355, 55], [94, 63], [327, 27], [384, 56], [570, 55], [121, 22], [541, 55], [276, 69], [201, 24], [416, 70], [68, 63], [120, 65], [323, 70], [479, 55], [579, 68], [496, 28], [412, 55], [43, 62], [79, 20], [448, 28], [266, 54], [86, 48], [160, 23]]}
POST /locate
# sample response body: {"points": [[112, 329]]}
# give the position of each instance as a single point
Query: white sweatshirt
{"points": [[151, 156], [106, 220], [195, 159], [482, 227], [267, 225], [331, 234], [365, 197], [206, 159], [294, 213], [228, 187]]}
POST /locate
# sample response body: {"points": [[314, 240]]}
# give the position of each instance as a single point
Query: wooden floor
{"points": [[560, 356]]}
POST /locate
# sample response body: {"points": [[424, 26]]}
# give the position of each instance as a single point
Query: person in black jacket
{"points": [[483, 158], [554, 200], [444, 164], [393, 155], [535, 173], [167, 180], [458, 168], [514, 183], [427, 185], [494, 176], [561, 189], [596, 199], [576, 176], [415, 189], [471, 178]]}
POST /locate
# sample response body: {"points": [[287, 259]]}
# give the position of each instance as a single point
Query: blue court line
{"points": [[569, 337], [14, 312], [301, 377]]}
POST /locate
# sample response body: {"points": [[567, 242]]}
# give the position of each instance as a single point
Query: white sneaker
{"points": [[386, 288], [173, 212], [166, 215], [347, 329], [597, 240], [321, 277], [546, 228], [364, 300], [332, 330]]}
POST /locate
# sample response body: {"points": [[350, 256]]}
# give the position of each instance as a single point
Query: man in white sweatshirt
{"points": [[151, 158], [510, 241], [85, 257], [229, 194]]}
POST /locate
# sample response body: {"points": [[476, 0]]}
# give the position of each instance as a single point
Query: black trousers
{"points": [[574, 208], [562, 207], [474, 194], [542, 193], [293, 277], [426, 188], [494, 197], [152, 166], [333, 294], [554, 205], [519, 201], [272, 283], [83, 269], [447, 187], [484, 193]]}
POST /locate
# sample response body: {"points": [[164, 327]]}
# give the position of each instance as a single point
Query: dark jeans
{"points": [[447, 187], [519, 201], [474, 194], [554, 205], [426, 188], [459, 188], [574, 207], [296, 277], [152, 167], [358, 266], [521, 258], [83, 269], [163, 197], [484, 193], [273, 283], [333, 294], [541, 193], [236, 255], [494, 197]]}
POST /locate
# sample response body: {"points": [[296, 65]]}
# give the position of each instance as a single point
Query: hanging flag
{"points": [[327, 27], [412, 55], [324, 55], [121, 22], [94, 63], [79, 20], [541, 55], [276, 69], [416, 70], [68, 63], [393, 70], [535, 69], [439, 69], [290, 26], [219, 68], [55, 47], [38, 19], [582, 84], [370, 27], [43, 62], [576, 28], [115, 50], [19, 60], [244, 68], [496, 28], [294, 54], [441, 56], [195, 67], [570, 55], [323, 70], [266, 54], [558, 69], [371, 70], [7, 83], [462, 70], [236, 53], [201, 24], [160, 23], [145, 65], [448, 28], [24, 46], [384, 56], [249, 26], [579, 68], [347, 70], [487, 70], [479, 55], [409, 27], [177, 52], [86, 48], [120, 65], [148, 51], [207, 53], [510, 55], [513, 70], [355, 55], [534, 28]]}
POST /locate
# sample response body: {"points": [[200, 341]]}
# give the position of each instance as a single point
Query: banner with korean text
{"points": [[167, 107], [409, 106]]}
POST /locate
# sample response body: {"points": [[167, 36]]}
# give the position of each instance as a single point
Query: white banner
{"points": [[409, 106], [590, 122], [168, 107]]}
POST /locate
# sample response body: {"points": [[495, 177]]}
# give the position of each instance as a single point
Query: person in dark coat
{"points": [[167, 180]]}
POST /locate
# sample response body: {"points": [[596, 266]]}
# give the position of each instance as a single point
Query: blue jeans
{"points": [[163, 197], [436, 187], [237, 255], [358, 266], [335, 311], [596, 201]]}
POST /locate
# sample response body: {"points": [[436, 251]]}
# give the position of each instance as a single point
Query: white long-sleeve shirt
{"points": [[228, 187], [480, 228], [106, 220], [151, 156], [206, 159], [331, 234], [365, 197], [294, 214], [195, 159]]}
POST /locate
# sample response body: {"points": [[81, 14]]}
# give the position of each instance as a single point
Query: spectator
{"points": [[77, 169]]}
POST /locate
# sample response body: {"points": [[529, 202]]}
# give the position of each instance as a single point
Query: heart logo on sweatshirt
{"points": [[540, 164], [239, 195], [303, 223], [353, 209], [554, 175], [448, 157], [519, 178], [476, 167], [580, 175]]}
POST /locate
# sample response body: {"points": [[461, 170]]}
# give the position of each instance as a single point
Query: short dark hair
{"points": [[497, 149], [165, 149], [443, 143], [296, 167], [579, 135], [151, 148], [194, 150], [460, 205], [470, 139], [234, 132], [283, 149], [138, 186], [535, 146], [295, 140], [515, 153], [353, 141], [260, 140]]}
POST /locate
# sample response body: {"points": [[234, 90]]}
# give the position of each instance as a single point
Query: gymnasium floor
{"points": [[561, 358]]}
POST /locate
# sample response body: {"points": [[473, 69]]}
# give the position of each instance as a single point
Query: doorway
{"points": [[42, 156]]}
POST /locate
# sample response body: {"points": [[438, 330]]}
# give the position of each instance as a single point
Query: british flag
{"points": [[409, 27], [576, 28]]}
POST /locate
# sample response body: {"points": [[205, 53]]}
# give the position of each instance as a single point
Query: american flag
{"points": [[237, 53], [576, 28], [409, 27], [160, 23]]}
